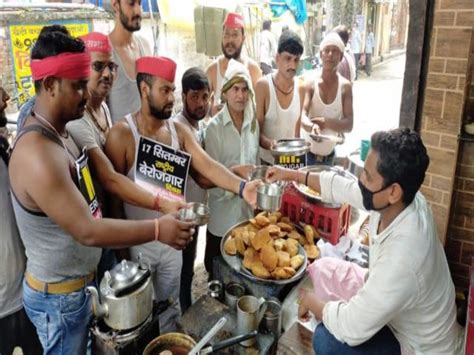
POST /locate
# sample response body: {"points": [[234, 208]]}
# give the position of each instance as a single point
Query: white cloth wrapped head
{"points": [[236, 73], [332, 39]]}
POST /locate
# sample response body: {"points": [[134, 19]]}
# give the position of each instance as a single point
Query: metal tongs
{"points": [[228, 342], [209, 335]]}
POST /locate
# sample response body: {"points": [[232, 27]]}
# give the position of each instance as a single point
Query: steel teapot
{"points": [[126, 295]]}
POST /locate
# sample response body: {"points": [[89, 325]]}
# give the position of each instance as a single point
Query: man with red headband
{"points": [[127, 48], [149, 147], [233, 38], [54, 204]]}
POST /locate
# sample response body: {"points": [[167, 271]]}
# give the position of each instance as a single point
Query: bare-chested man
{"points": [[54, 204], [127, 48], [233, 38], [155, 79]]}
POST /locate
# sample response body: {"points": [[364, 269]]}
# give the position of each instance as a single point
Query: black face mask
{"points": [[368, 197]]}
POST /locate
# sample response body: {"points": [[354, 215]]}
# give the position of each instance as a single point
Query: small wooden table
{"points": [[205, 312], [297, 340]]}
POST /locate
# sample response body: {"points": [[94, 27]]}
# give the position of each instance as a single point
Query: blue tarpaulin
{"points": [[297, 7]]}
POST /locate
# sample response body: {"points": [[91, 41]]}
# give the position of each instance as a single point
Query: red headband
{"points": [[162, 67], [234, 20], [72, 66], [97, 42]]}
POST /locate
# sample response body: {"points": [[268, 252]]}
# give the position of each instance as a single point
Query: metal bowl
{"points": [[318, 169], [258, 173], [187, 215], [201, 212], [269, 197], [197, 213], [293, 147], [235, 261]]}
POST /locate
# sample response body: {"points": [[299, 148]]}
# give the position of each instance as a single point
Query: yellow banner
{"points": [[22, 38]]}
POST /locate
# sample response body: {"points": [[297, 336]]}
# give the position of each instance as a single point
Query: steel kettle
{"points": [[126, 295]]}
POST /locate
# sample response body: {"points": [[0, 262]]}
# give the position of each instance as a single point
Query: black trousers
{"points": [[368, 63], [357, 58], [187, 273], [213, 250], [17, 330]]}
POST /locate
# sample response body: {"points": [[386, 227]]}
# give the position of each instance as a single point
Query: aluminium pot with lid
{"points": [[126, 295]]}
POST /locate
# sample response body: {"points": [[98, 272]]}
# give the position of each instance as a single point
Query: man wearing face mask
{"points": [[408, 299], [155, 80], [233, 38]]}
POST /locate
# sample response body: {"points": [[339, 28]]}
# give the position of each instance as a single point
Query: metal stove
{"points": [[107, 341]]}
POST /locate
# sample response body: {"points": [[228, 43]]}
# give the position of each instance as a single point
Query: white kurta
{"points": [[409, 286]]}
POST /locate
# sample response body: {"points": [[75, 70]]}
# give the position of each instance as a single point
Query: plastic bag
{"points": [[334, 279]]}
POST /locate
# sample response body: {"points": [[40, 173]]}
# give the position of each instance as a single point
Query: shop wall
{"points": [[175, 41], [33, 16], [6, 80], [400, 19], [460, 236], [449, 184]]}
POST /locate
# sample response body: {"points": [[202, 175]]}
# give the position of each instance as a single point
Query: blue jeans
{"points": [[61, 321], [382, 343]]}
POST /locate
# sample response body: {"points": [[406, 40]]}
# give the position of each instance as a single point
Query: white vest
{"points": [[280, 123], [319, 109]]}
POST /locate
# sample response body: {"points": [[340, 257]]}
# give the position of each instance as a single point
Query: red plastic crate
{"points": [[331, 222]]}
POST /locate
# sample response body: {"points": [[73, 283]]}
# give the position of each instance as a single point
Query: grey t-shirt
{"points": [[85, 132], [87, 135], [12, 252]]}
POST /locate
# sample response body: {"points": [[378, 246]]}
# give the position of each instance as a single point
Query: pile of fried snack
{"points": [[269, 244]]}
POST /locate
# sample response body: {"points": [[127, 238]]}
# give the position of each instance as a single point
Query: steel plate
{"points": [[319, 169], [290, 147]]}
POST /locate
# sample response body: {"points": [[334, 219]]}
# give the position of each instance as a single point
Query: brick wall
{"points": [[450, 180], [460, 236]]}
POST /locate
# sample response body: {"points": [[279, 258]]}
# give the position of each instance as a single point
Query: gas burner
{"points": [[108, 341], [101, 330]]}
